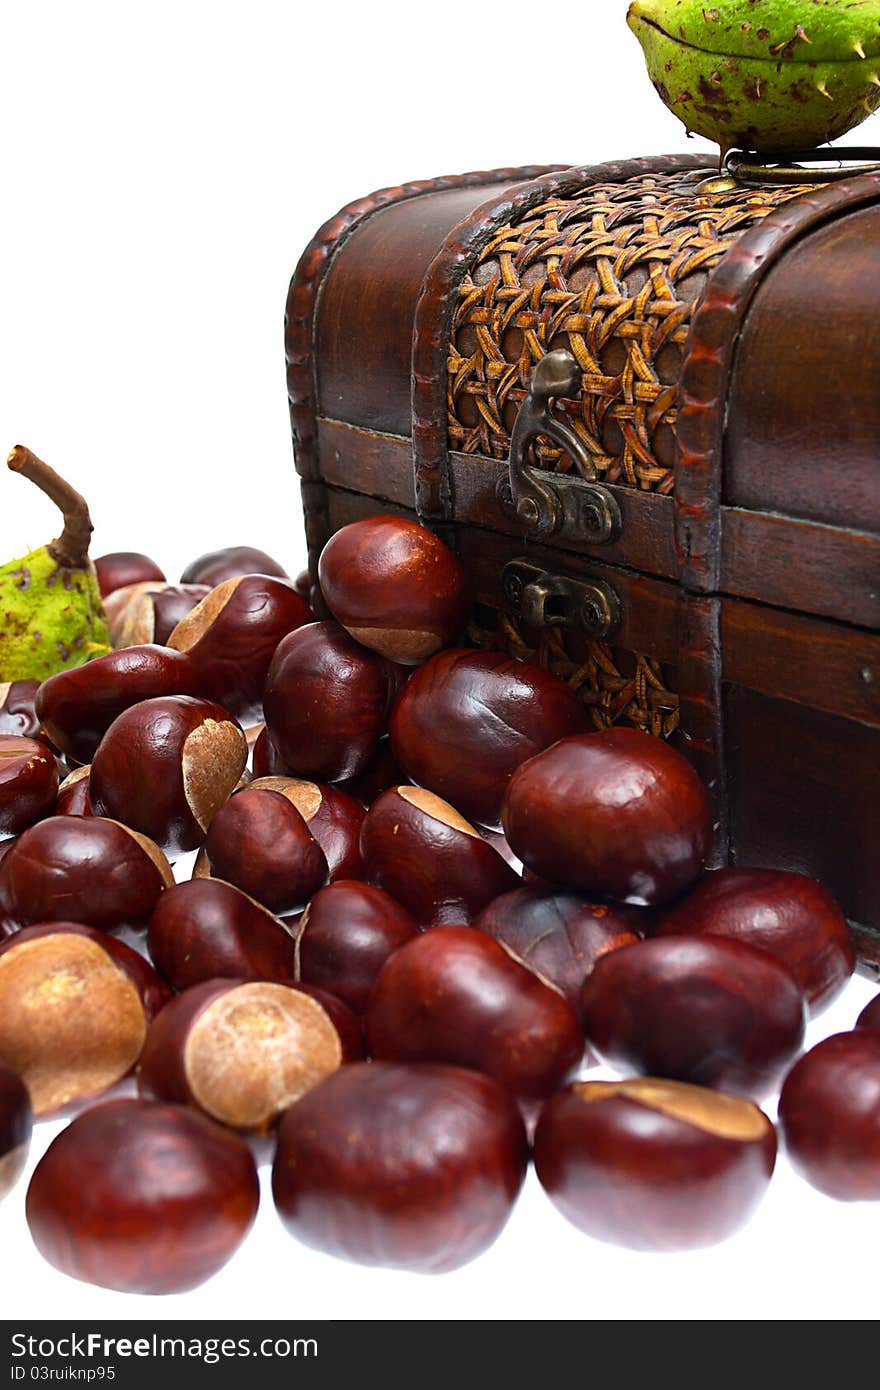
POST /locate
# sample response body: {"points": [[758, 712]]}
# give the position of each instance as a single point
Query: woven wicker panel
{"points": [[612, 275], [618, 687]]}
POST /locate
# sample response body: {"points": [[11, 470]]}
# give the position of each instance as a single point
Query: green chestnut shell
{"points": [[774, 76]]}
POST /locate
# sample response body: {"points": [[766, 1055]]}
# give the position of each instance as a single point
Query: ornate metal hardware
{"points": [[542, 599], [544, 503], [744, 167]]}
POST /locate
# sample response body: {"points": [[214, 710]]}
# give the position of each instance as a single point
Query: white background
{"points": [[161, 168]]}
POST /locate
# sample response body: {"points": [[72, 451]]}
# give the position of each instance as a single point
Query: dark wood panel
{"points": [[803, 416], [806, 660], [365, 312], [646, 543], [804, 795], [802, 565], [343, 507], [649, 606], [379, 465]]}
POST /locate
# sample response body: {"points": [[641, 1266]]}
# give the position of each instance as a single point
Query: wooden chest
{"points": [[681, 517]]}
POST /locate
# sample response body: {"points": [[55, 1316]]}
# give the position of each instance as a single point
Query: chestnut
{"points": [[706, 1010], [381, 772], [326, 702], [84, 868], [152, 614], [75, 1005], [142, 1198], [653, 1165], [305, 588], [345, 936], [333, 818], [78, 706], [16, 1124], [265, 756], [617, 813], [117, 604], [241, 1052], [166, 766], [231, 636], [394, 586], [260, 842], [870, 1015], [829, 1113], [421, 851], [791, 916], [73, 794], [467, 719], [208, 930], [558, 935], [18, 710], [216, 566], [414, 1167], [28, 783], [455, 995], [121, 568]]}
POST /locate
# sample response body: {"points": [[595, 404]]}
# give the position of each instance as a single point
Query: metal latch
{"points": [[551, 504], [542, 599]]}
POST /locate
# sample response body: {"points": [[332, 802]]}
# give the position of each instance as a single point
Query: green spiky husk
{"points": [[800, 84], [50, 618]]}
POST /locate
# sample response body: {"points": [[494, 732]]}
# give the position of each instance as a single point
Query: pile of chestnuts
{"points": [[427, 897]]}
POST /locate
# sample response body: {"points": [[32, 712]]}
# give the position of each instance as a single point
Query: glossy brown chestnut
{"points": [[705, 1010], [618, 813], [421, 851], [345, 936], [117, 604], [260, 842], [142, 1198], [152, 614], [16, 1124], [233, 560], [829, 1113], [241, 1052], [558, 935], [303, 585], [267, 761], [123, 567], [85, 868], [382, 772], [467, 719], [791, 916], [870, 1015], [18, 708], [394, 586], [28, 783], [326, 702], [166, 766], [414, 1167], [78, 706], [73, 794], [455, 995], [208, 930], [654, 1165], [333, 818], [75, 1005], [231, 636]]}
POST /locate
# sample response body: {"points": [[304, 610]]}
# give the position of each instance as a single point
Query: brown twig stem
{"points": [[71, 549]]}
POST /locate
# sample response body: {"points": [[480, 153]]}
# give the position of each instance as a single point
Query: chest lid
{"points": [[722, 403]]}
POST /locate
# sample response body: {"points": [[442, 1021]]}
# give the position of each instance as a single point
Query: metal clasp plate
{"points": [[542, 599]]}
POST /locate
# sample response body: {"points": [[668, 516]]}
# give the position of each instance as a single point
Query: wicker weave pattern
{"points": [[612, 275], [617, 687]]}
